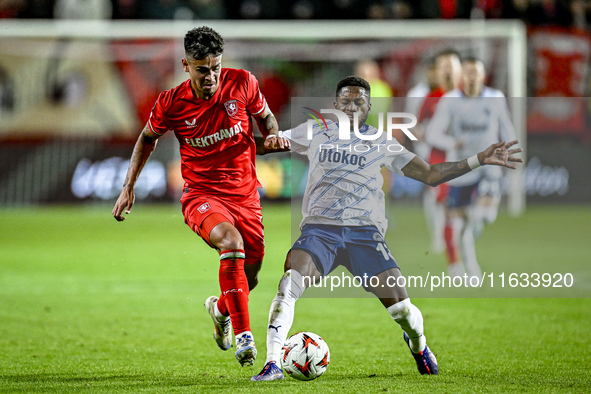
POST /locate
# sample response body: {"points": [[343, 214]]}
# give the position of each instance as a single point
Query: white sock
{"points": [[282, 312], [489, 213], [411, 321], [457, 224], [241, 334], [476, 220], [456, 269], [435, 218], [438, 226], [480, 215], [468, 252]]}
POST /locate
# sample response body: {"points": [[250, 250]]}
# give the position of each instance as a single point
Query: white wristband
{"points": [[473, 162], [279, 134]]}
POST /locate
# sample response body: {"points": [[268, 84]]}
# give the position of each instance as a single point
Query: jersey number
{"points": [[381, 247]]}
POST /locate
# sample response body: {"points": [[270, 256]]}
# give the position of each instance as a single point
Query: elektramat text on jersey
{"points": [[202, 142]]}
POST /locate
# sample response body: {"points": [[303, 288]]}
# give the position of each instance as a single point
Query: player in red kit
{"points": [[448, 71], [210, 115]]}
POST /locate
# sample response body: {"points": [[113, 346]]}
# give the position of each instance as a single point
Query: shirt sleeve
{"points": [[157, 120], [255, 101], [398, 158], [297, 136], [436, 132]]}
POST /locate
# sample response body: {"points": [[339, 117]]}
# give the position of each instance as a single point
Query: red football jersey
{"points": [[216, 135], [428, 108], [426, 113]]}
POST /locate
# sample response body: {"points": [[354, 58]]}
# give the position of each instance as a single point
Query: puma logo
{"points": [[272, 326]]}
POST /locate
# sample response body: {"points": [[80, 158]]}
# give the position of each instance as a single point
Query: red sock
{"points": [[448, 235], [234, 286]]}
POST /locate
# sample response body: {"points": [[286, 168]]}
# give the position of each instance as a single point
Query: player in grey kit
{"points": [[344, 218], [467, 120]]}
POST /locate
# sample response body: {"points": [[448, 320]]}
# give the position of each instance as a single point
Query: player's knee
{"points": [[400, 310], [224, 236], [228, 239]]}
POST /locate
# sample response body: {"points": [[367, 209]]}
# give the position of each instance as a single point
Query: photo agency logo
{"points": [[345, 128]]}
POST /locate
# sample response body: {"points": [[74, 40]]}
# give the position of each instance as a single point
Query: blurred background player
{"points": [[210, 114], [369, 70], [415, 97], [448, 74], [466, 120], [344, 219]]}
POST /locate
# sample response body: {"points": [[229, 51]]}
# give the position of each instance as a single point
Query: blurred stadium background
{"points": [[75, 93], [83, 299]]}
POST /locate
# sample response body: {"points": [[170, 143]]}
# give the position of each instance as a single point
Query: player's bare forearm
{"points": [[144, 146], [443, 172], [267, 123], [141, 152], [435, 174], [269, 128], [270, 124]]}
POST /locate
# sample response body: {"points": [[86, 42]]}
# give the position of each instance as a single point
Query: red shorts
{"points": [[202, 213]]}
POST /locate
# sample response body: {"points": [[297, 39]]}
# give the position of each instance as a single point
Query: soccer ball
{"points": [[305, 356]]}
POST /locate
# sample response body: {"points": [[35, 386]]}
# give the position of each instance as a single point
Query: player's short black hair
{"points": [[202, 41], [448, 52], [353, 81], [429, 62], [472, 59]]}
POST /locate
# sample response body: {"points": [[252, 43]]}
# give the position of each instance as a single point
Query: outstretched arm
{"points": [[433, 175], [269, 128], [142, 150]]}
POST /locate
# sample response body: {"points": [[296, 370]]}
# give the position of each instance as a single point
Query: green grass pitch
{"points": [[91, 305]]}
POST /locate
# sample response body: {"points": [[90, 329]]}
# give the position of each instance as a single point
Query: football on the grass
{"points": [[305, 356]]}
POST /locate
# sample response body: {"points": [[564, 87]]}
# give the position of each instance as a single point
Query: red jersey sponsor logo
{"points": [[202, 142], [204, 207], [231, 107]]}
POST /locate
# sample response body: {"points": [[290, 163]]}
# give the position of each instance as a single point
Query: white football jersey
{"points": [[344, 178], [476, 122]]}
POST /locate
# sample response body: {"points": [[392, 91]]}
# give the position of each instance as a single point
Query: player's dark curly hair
{"points": [[353, 81], [203, 41]]}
